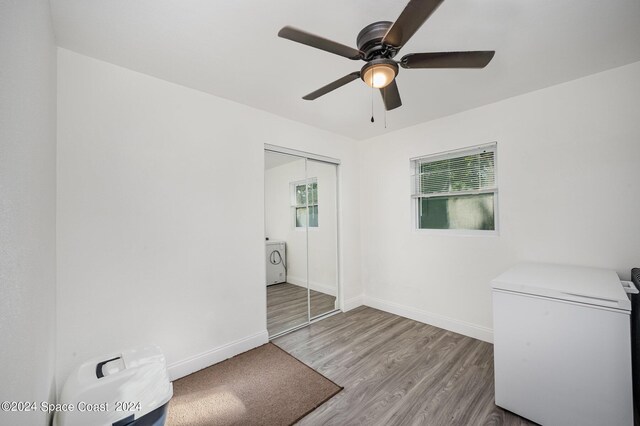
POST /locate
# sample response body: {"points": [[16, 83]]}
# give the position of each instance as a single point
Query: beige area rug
{"points": [[264, 386]]}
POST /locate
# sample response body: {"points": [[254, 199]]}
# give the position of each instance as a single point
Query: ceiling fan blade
{"points": [[318, 42], [415, 13], [332, 86], [391, 96], [475, 59]]}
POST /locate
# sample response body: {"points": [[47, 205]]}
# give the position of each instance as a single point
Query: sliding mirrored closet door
{"points": [[322, 237], [286, 243], [301, 225]]}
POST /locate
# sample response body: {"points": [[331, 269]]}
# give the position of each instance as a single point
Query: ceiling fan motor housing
{"points": [[369, 41]]}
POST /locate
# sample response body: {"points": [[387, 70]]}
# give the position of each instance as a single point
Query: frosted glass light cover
{"points": [[379, 76]]}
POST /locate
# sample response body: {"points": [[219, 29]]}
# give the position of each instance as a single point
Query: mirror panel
{"points": [[322, 237], [286, 244]]}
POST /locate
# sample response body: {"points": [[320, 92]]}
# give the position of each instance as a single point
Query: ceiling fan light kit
{"points": [[378, 43], [379, 73]]}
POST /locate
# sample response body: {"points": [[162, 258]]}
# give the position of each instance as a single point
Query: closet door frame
{"points": [[336, 162]]}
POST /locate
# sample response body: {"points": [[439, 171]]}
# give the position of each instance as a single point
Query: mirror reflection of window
{"points": [[305, 203]]}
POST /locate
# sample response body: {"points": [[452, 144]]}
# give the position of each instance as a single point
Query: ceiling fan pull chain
{"points": [[384, 101], [372, 120]]}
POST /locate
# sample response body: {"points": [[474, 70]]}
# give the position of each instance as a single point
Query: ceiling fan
{"points": [[378, 43]]}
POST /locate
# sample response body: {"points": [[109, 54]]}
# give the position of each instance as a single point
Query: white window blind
{"points": [[466, 172], [456, 190]]}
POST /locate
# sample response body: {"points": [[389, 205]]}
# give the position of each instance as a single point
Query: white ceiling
{"points": [[230, 49]]}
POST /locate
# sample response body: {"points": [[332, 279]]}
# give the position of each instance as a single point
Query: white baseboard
{"points": [[316, 286], [296, 281], [440, 321], [205, 359], [353, 303]]}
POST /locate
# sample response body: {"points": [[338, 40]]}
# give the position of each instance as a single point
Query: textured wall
{"points": [[161, 213], [568, 181], [27, 206]]}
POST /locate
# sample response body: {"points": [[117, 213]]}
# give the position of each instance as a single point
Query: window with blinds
{"points": [[456, 190]]}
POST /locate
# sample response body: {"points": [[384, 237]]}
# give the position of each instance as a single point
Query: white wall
{"points": [[278, 216], [161, 218], [27, 206], [320, 241], [569, 192]]}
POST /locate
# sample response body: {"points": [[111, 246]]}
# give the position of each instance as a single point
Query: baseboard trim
{"points": [[205, 359], [440, 321], [315, 286], [353, 303]]}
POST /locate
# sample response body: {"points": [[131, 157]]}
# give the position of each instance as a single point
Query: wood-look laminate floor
{"points": [[396, 371], [287, 306]]}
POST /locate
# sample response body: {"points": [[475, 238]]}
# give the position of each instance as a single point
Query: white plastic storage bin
{"points": [[123, 389]]}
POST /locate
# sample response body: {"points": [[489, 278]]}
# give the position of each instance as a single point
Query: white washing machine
{"points": [[276, 262]]}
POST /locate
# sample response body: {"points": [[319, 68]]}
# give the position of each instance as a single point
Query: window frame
{"points": [[295, 206], [414, 164]]}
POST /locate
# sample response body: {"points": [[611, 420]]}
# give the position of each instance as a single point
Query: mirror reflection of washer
{"points": [[276, 262]]}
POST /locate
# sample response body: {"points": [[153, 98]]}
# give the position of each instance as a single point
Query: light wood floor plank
{"points": [[287, 306], [396, 371]]}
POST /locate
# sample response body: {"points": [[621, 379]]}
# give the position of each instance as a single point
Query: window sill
{"points": [[457, 232]]}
